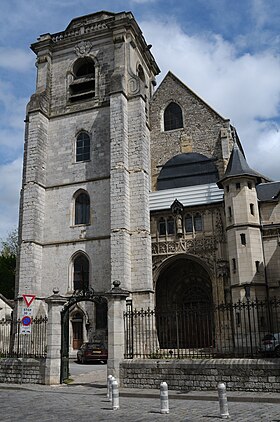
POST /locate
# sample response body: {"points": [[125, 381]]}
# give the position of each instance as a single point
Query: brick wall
{"points": [[187, 375], [22, 371]]}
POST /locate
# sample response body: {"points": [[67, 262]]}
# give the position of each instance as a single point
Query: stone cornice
{"points": [[66, 242], [242, 226], [81, 182]]}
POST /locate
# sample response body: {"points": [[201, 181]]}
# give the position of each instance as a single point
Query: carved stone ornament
{"points": [[83, 48], [133, 86]]}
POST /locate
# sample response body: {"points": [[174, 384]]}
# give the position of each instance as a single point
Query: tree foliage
{"points": [[8, 256]]}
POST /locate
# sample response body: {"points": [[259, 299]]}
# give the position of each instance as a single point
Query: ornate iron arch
{"points": [[88, 295]]}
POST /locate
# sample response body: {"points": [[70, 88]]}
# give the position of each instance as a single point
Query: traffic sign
{"points": [[27, 311], [26, 321], [28, 299]]}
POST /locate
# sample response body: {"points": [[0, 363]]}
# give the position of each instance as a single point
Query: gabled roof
{"points": [[185, 87], [238, 167], [268, 192]]}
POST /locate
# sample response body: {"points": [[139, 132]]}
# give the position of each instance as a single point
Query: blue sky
{"points": [[227, 51]]}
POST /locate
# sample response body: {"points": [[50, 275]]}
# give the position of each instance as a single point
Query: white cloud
{"points": [[16, 59], [12, 115], [242, 87], [10, 182]]}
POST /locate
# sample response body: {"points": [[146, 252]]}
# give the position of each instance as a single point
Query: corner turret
{"points": [[243, 227]]}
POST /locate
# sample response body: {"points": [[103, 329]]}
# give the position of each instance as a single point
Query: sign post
{"points": [[26, 323], [27, 314]]}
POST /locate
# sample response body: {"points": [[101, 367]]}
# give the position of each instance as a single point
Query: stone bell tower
{"points": [[84, 215]]}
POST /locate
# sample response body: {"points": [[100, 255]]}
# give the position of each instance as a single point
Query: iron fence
{"points": [[15, 344], [200, 331]]}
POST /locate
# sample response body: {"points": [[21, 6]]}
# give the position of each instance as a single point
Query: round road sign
{"points": [[26, 320]]}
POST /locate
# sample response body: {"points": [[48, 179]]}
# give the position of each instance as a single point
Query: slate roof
{"points": [[187, 169], [268, 192], [238, 166]]}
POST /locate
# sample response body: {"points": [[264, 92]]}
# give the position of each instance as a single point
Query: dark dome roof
{"points": [[187, 170]]}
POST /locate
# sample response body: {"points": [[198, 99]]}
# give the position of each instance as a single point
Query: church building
{"points": [[127, 182]]}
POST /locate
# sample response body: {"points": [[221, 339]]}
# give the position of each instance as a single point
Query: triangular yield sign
{"points": [[28, 299]]}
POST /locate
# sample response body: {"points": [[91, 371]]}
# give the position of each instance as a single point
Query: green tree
{"points": [[8, 257]]}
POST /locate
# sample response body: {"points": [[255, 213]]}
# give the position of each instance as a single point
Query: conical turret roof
{"points": [[238, 167]]}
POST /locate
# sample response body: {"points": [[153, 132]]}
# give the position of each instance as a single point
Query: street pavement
{"points": [[85, 400]]}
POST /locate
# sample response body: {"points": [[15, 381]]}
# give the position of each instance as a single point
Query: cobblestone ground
{"points": [[88, 402]]}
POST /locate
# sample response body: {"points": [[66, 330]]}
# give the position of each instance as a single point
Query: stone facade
{"points": [[120, 183]]}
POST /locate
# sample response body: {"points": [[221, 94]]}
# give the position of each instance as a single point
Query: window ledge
{"points": [[80, 225]]}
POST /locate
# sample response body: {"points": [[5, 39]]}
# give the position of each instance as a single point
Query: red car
{"points": [[93, 352]]}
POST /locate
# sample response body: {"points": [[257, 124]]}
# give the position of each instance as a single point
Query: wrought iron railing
{"points": [[15, 344], [200, 331]]}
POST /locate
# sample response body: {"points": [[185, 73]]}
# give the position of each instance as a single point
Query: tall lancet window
{"points": [[82, 209], [81, 273]]}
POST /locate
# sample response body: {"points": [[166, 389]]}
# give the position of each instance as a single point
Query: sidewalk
{"points": [[86, 399]]}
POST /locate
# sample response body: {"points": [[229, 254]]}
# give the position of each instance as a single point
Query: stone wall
{"points": [[187, 375], [22, 371], [204, 130]]}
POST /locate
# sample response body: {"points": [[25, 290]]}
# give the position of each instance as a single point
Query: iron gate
{"points": [[79, 296]]}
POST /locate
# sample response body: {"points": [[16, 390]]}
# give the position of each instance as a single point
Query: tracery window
{"points": [[166, 226], [82, 147], [81, 273], [82, 208], [193, 223], [173, 118], [197, 222]]}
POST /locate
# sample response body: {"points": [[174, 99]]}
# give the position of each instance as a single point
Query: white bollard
{"points": [[115, 395], [164, 407], [223, 401], [108, 385]]}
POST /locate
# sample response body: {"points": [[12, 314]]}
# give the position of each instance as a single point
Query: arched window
{"points": [[173, 118], [188, 223], [170, 225], [82, 209], [83, 85], [193, 223], [197, 222], [162, 227], [81, 273], [83, 147]]}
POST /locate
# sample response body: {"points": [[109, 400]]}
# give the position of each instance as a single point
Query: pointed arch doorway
{"points": [[184, 305]]}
